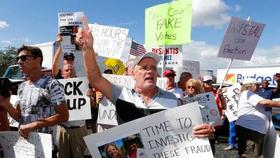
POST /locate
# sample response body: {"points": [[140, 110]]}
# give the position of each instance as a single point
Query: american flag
{"points": [[137, 49]]}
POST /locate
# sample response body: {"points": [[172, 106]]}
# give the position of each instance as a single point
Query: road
{"points": [[220, 153]]}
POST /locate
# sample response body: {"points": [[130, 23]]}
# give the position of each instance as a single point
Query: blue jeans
{"points": [[232, 134]]}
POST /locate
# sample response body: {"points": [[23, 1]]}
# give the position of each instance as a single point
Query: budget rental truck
{"points": [[238, 74]]}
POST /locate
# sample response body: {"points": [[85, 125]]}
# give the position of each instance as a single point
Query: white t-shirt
{"points": [[178, 92], [252, 115]]}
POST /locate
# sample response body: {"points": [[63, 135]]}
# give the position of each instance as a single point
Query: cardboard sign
{"points": [[190, 66], [164, 133], [109, 41], [208, 107], [37, 145], [171, 55], [76, 98], [107, 113], [12, 122], [168, 23], [231, 96], [240, 39], [68, 28]]}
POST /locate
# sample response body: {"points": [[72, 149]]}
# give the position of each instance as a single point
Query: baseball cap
{"points": [[169, 72], [250, 80], [207, 78], [146, 55], [68, 55]]}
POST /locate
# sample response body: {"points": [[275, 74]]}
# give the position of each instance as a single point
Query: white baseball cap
{"points": [[207, 78], [146, 55]]}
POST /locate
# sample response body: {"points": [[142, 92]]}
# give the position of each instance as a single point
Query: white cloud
{"points": [[211, 13], [3, 24], [266, 57], [6, 42], [207, 56]]}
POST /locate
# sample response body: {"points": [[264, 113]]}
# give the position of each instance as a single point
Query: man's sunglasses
{"points": [[68, 58], [24, 57]]}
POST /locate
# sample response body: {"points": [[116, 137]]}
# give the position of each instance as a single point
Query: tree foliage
{"points": [[7, 57]]}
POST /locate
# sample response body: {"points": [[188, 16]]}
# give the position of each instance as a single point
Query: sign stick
{"points": [[163, 60]]}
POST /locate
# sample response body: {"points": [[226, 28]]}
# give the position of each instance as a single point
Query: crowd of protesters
{"points": [[42, 106]]}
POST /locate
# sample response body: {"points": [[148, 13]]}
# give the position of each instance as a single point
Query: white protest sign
{"points": [[68, 27], [240, 39], [107, 113], [12, 122], [190, 66], [15, 146], [272, 143], [75, 94], [168, 132], [208, 107], [109, 41], [172, 55], [231, 97]]}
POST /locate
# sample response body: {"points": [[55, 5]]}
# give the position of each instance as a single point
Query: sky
{"points": [[35, 21]]}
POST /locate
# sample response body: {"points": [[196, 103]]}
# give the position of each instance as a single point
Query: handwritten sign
{"points": [[68, 28], [172, 55], [162, 134], [107, 113], [109, 41], [78, 102], [240, 39], [13, 100], [231, 97], [37, 145], [208, 107], [190, 66], [168, 23]]}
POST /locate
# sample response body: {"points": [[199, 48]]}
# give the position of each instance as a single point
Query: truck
{"points": [[238, 74]]}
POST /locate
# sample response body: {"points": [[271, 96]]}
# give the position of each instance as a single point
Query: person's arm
{"points": [[14, 112], [55, 66], [85, 40], [270, 103], [62, 115]]}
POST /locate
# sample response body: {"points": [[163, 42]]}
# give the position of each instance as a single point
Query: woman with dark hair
{"points": [[112, 151]]}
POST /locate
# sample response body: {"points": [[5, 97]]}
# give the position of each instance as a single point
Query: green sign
{"points": [[168, 23]]}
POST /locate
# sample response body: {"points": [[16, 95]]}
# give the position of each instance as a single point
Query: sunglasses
{"points": [[24, 57], [208, 82], [189, 87], [68, 58]]}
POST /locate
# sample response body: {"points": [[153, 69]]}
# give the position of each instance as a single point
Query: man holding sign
{"points": [[41, 103], [146, 98], [70, 134]]}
